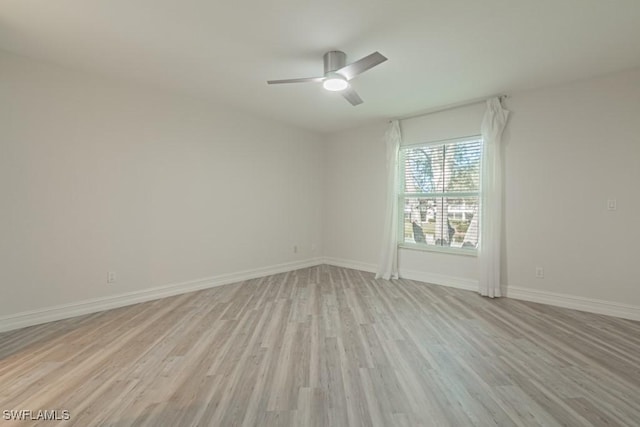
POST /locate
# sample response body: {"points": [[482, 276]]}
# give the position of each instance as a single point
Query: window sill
{"points": [[439, 249]]}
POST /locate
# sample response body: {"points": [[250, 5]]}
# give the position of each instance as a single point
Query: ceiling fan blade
{"points": [[361, 65], [302, 80], [352, 96]]}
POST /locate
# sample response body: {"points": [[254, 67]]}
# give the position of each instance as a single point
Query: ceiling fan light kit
{"points": [[337, 74], [335, 82]]}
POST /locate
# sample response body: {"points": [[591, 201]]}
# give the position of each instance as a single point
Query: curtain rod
{"points": [[450, 107]]}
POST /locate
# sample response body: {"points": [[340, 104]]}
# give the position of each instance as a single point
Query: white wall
{"points": [[97, 176], [567, 150], [355, 197], [354, 201], [570, 149]]}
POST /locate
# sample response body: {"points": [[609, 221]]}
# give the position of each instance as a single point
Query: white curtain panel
{"points": [[493, 124], [388, 264]]}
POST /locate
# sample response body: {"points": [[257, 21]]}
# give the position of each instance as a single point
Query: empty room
{"points": [[336, 213]]}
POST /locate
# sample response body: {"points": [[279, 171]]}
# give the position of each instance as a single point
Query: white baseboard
{"points": [[347, 263], [421, 276], [590, 305], [440, 279], [50, 314]]}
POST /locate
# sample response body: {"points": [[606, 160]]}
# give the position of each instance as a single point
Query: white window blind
{"points": [[440, 194]]}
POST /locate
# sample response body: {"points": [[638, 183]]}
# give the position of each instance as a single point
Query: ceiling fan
{"points": [[337, 74]]}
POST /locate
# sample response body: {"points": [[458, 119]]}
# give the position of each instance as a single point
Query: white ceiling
{"points": [[440, 51]]}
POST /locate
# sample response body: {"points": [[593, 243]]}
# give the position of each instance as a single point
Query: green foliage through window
{"points": [[440, 194]]}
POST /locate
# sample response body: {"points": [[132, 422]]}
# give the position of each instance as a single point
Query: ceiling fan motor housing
{"points": [[334, 60]]}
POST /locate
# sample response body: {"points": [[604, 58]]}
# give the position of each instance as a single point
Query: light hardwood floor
{"points": [[327, 346]]}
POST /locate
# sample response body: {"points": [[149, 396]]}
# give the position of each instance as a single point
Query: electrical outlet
{"points": [[111, 277], [612, 205], [295, 249], [540, 272]]}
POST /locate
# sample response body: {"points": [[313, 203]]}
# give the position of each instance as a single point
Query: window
{"points": [[440, 195]]}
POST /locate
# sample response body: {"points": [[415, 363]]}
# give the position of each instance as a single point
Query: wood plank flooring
{"points": [[327, 346]]}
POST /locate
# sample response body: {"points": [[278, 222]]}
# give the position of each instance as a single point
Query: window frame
{"points": [[401, 196]]}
